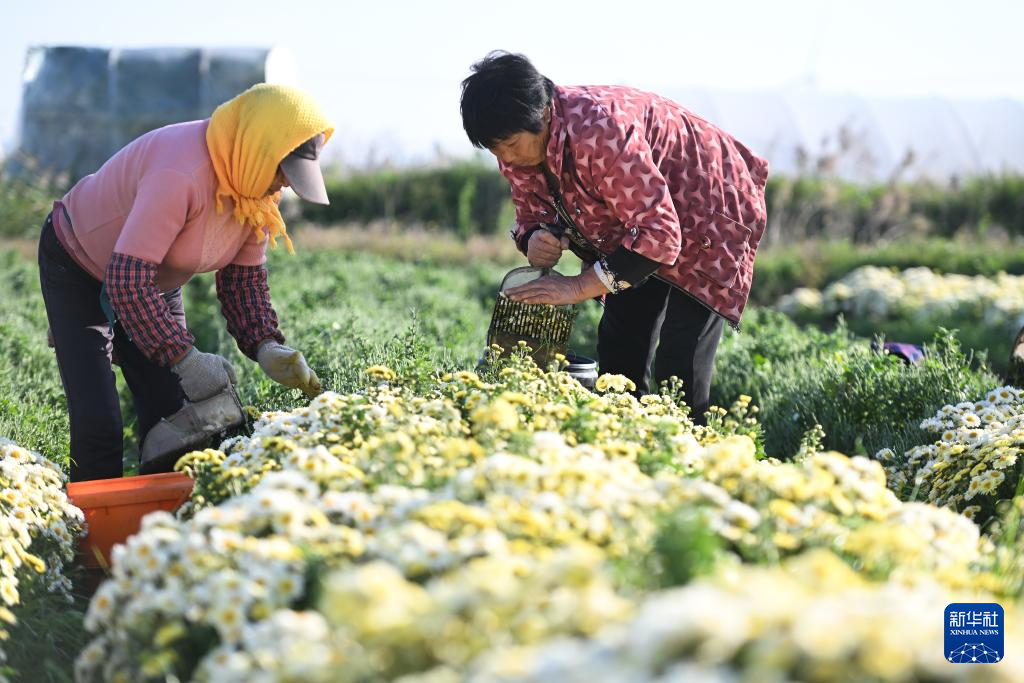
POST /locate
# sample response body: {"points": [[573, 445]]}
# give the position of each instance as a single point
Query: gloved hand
{"points": [[287, 366], [544, 249], [203, 374]]}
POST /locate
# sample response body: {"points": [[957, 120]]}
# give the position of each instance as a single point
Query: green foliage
{"points": [[32, 407], [988, 340], [473, 197], [348, 311], [864, 401], [468, 197], [47, 638], [820, 205], [987, 202], [25, 199], [685, 548], [1006, 529]]}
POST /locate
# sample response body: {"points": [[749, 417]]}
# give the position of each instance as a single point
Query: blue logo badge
{"points": [[974, 633]]}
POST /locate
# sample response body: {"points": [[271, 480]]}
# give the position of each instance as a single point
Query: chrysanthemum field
{"points": [[427, 520]]}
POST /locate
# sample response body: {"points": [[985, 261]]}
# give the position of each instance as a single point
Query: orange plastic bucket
{"points": [[114, 509]]}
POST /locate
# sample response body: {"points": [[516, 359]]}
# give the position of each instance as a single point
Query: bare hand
{"points": [[544, 249], [557, 289]]}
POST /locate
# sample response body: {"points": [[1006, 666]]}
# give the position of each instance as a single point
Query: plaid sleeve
{"points": [[245, 302], [142, 311]]}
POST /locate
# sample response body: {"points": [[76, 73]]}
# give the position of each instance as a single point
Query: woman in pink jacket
{"points": [[184, 199], [666, 209]]}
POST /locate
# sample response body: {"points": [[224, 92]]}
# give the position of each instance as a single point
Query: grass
{"points": [[47, 638], [32, 408], [408, 243]]}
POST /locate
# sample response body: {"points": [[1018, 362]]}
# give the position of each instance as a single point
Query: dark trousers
{"points": [[84, 343], [657, 321]]}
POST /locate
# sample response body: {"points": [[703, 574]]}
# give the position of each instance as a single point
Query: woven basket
{"points": [[545, 328]]}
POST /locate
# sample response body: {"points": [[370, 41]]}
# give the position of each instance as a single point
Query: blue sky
{"points": [[388, 72]]}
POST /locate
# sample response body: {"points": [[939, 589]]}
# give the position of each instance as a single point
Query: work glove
{"points": [[203, 375], [287, 366], [544, 249]]}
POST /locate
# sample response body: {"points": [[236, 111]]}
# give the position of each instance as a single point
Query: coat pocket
{"points": [[722, 245]]}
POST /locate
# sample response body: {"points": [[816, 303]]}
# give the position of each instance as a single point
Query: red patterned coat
{"points": [[639, 171]]}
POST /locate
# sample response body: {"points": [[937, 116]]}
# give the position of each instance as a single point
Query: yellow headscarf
{"points": [[247, 139]]}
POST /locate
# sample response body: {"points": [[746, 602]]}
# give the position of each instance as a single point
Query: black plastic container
{"points": [[583, 369]]}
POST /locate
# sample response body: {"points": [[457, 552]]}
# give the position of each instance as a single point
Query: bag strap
{"points": [[575, 234], [556, 194]]}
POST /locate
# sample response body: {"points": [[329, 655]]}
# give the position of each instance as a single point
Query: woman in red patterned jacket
{"points": [[667, 207]]}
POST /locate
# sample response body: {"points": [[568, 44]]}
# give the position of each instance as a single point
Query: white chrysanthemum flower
{"points": [[970, 420]]}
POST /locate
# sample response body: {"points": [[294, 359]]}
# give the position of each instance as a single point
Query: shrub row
{"points": [[472, 197]]}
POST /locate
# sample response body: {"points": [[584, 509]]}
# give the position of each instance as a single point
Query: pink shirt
{"points": [[154, 200]]}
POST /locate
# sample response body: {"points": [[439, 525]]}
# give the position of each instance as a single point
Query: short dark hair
{"points": [[504, 95]]}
